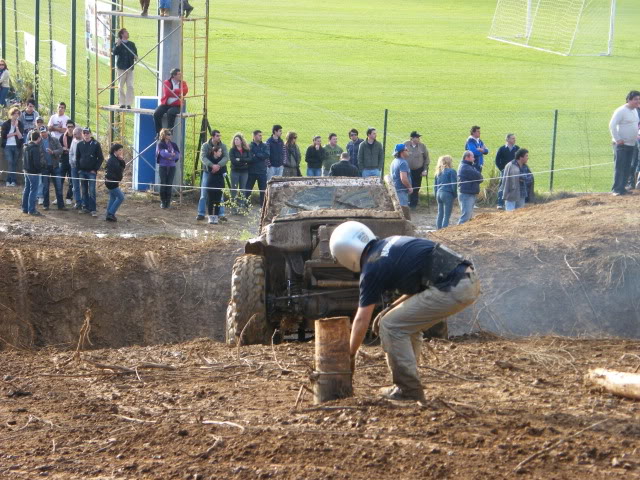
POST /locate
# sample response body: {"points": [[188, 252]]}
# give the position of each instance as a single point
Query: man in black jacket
{"points": [[127, 54], [260, 154], [89, 159], [33, 162], [344, 168], [504, 155]]}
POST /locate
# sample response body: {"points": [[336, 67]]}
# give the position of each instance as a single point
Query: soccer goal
{"points": [[563, 27]]}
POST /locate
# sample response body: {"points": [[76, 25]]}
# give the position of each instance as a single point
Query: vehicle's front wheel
{"points": [[247, 314]]}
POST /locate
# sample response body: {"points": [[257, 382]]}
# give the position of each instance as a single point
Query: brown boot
{"points": [[144, 4]]}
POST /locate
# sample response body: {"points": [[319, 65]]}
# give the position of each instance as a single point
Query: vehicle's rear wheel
{"points": [[246, 314]]}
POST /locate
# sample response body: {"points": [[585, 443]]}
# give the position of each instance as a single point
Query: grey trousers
{"points": [[401, 328]]}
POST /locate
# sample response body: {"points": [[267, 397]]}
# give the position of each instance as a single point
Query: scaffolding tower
{"points": [[178, 37]]}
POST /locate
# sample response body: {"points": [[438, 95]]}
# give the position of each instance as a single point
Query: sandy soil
{"points": [[217, 412]]}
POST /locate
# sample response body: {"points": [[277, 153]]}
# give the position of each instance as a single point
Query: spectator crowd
{"points": [[59, 151]]}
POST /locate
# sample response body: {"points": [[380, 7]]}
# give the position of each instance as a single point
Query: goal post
{"points": [[563, 27]]}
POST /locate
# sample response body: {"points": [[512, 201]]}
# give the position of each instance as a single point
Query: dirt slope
{"points": [[570, 267]]}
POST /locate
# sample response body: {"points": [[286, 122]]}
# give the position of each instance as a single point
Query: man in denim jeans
{"points": [[52, 151], [401, 174], [371, 155], [89, 159], [469, 180], [624, 131], [13, 137]]}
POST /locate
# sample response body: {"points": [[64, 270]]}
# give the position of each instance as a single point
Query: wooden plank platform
{"points": [[141, 111], [150, 17]]}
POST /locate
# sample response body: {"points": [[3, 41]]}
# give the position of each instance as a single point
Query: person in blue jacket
{"points": [[446, 189], [477, 147], [469, 180]]}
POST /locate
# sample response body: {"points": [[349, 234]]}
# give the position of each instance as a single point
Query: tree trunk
{"points": [[623, 384]]}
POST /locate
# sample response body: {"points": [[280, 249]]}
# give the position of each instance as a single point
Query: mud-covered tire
{"points": [[247, 303]]}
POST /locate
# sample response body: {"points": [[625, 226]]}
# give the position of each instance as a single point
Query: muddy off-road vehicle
{"points": [[287, 278]]}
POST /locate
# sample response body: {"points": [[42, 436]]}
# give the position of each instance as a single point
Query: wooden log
{"points": [[624, 384], [332, 378]]}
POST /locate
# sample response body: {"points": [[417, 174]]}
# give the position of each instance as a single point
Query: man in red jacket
{"points": [[173, 90]]}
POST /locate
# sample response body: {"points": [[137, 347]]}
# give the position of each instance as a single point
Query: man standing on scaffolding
{"points": [[127, 54]]}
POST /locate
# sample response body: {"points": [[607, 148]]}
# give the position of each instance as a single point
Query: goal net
{"points": [[564, 27]]}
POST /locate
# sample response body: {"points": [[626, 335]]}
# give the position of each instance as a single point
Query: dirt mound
{"points": [[140, 291], [569, 267], [215, 412]]}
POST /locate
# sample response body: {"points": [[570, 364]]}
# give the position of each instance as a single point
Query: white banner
{"points": [[59, 61], [104, 28], [29, 48]]}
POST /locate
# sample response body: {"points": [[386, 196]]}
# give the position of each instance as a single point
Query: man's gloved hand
{"points": [[375, 327]]}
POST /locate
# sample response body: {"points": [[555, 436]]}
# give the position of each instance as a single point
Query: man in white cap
{"points": [[434, 281]]}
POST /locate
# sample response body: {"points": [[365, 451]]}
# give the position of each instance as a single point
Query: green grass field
{"points": [[322, 67]]}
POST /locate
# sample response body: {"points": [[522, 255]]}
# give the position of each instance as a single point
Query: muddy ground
{"points": [[216, 412], [159, 279]]}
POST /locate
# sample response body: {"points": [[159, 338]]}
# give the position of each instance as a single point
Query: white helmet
{"points": [[347, 243]]}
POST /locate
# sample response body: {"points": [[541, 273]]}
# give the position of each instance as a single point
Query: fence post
{"points": [[384, 142], [553, 149], [15, 29], [88, 96], [50, 58], [4, 29], [72, 99], [36, 67]]}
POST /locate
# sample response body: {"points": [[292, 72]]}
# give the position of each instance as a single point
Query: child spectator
{"points": [[114, 174]]}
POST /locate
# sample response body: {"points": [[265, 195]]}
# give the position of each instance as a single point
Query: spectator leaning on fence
{"points": [[173, 90], [624, 131], [292, 158], [167, 156], [314, 157], [258, 166], [89, 159], [504, 155], [127, 54], [13, 136], [205, 152], [476, 146], [5, 80], [469, 180], [276, 153], [446, 190], [33, 162], [66, 139], [332, 152], [239, 156], [52, 151], [344, 168], [353, 146], [515, 186], [28, 117], [401, 174], [418, 160], [58, 122], [371, 155], [75, 180], [112, 178]]}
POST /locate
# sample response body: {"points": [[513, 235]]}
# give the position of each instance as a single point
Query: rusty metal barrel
{"points": [[332, 378]]}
